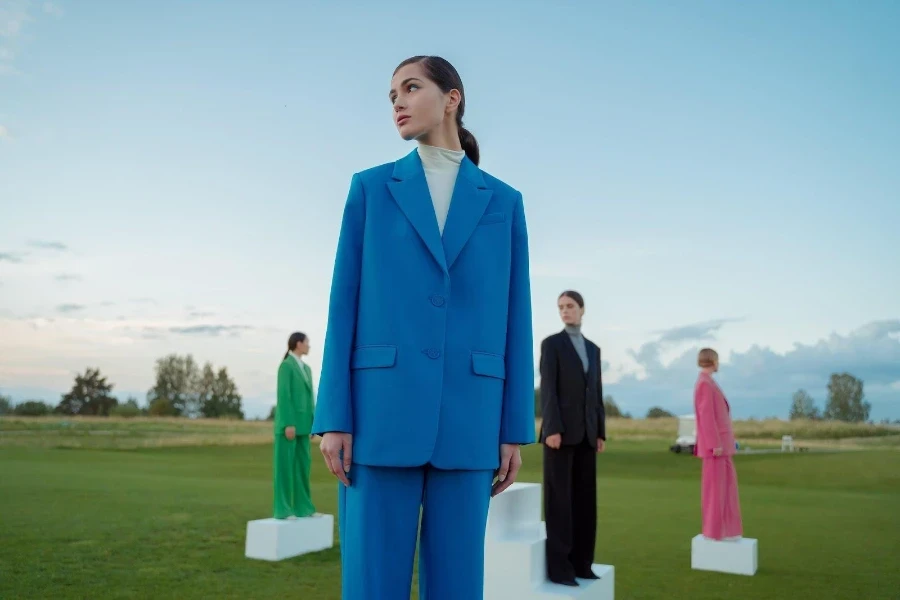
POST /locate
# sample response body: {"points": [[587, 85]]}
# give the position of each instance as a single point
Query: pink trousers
{"points": [[719, 502]]}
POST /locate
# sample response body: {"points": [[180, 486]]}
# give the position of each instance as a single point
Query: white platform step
{"points": [[278, 539], [515, 565], [738, 557], [519, 505]]}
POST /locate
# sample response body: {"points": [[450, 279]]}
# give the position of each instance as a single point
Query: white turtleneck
{"points": [[441, 167]]}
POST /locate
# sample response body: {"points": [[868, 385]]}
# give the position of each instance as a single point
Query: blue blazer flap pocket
{"points": [[371, 357], [497, 217], [491, 365]]}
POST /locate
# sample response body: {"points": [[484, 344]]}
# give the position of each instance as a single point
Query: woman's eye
{"points": [[412, 87]]}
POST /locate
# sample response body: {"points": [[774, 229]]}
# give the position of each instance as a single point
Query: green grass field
{"points": [[169, 522]]}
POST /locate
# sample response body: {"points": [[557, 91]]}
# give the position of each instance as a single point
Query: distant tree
{"points": [[658, 413], [6, 405], [271, 416], [203, 386], [803, 407], [32, 408], [846, 401], [90, 395], [129, 409], [611, 409], [183, 389], [174, 393], [218, 395], [161, 407]]}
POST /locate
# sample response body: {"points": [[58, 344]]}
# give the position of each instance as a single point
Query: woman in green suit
{"points": [[293, 424]]}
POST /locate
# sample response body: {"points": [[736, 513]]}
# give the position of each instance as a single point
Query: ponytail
{"points": [[469, 144]]}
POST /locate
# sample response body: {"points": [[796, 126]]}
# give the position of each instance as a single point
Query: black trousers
{"points": [[570, 509]]}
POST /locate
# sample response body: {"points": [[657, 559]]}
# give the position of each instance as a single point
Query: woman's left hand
{"points": [[510, 462]]}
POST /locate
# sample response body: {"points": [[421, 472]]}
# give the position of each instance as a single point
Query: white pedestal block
{"points": [[738, 557], [514, 553], [278, 539]]}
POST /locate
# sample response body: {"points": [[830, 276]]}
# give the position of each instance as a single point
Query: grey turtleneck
{"points": [[574, 332]]}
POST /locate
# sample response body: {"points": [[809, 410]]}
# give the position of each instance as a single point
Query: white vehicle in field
{"points": [[687, 435]]}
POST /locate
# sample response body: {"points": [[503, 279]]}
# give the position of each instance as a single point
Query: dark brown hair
{"points": [[444, 75], [295, 339], [579, 300]]}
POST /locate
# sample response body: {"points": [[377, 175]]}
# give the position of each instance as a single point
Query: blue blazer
{"points": [[428, 354]]}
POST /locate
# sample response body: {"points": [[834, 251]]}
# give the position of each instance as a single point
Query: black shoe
{"points": [[589, 574], [568, 582]]}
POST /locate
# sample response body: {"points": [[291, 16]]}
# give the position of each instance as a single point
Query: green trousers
{"points": [[291, 467]]}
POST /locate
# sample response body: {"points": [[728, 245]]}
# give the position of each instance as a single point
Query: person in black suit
{"points": [[572, 432]]}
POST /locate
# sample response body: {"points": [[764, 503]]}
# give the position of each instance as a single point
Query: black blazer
{"points": [[571, 400]]}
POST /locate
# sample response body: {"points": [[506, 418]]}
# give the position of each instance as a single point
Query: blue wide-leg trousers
{"points": [[379, 525]]}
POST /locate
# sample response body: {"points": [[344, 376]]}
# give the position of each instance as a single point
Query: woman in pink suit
{"points": [[719, 503]]}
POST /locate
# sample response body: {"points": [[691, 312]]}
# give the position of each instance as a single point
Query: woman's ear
{"points": [[453, 99]]}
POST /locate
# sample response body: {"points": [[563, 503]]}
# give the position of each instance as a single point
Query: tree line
{"points": [[182, 389], [846, 402]]}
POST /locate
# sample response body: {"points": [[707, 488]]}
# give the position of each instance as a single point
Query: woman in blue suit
{"points": [[427, 381]]}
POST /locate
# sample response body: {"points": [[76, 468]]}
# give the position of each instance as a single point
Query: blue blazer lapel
{"points": [[410, 191], [467, 206]]}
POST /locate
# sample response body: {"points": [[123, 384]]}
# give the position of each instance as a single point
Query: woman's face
{"points": [[569, 311], [302, 348], [419, 104]]}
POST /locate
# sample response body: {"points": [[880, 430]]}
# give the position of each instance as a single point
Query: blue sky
{"points": [[172, 177]]}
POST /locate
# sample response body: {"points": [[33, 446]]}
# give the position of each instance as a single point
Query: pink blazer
{"points": [[713, 418]]}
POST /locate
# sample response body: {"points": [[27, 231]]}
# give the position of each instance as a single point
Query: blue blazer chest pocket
{"points": [[497, 217], [372, 357], [489, 365]]}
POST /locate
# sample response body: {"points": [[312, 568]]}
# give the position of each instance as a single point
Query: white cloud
{"points": [[13, 16], [52, 8], [760, 381]]}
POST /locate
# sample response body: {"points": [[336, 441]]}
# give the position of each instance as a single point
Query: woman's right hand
{"points": [[331, 446], [554, 441]]}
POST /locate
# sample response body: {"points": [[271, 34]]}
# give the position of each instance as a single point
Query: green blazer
{"points": [[295, 398]]}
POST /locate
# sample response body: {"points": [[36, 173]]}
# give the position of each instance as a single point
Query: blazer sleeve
{"points": [[551, 420], [601, 410], [517, 419], [707, 430], [334, 408], [285, 409]]}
